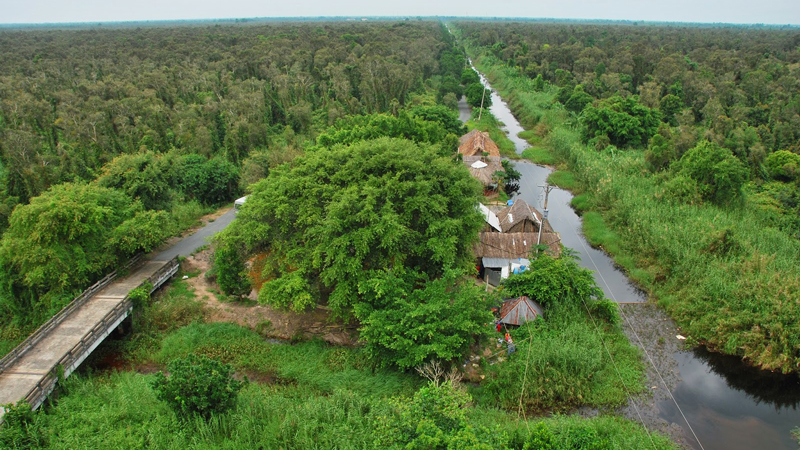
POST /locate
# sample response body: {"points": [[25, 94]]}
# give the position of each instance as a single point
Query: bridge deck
{"points": [[18, 379]]}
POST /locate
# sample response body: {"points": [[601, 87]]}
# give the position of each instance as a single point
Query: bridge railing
{"points": [[70, 361], [56, 320]]}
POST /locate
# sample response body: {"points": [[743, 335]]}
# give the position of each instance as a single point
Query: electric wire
{"points": [[642, 346]]}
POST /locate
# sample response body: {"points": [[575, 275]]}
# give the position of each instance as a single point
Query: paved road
{"points": [[189, 244]]}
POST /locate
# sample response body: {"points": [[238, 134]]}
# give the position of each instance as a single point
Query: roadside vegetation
{"points": [[683, 161]]}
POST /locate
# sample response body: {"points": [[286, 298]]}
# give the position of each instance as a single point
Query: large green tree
{"points": [[405, 326], [337, 220], [625, 121], [66, 238]]}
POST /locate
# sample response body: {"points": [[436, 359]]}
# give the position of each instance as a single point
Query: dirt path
{"points": [[264, 319]]}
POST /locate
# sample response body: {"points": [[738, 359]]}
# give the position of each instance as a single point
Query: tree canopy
{"points": [[336, 220], [718, 173], [61, 241]]}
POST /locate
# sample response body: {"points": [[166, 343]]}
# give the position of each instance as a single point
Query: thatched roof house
{"points": [[484, 171], [520, 310], [476, 142], [521, 217], [513, 246], [472, 147]]}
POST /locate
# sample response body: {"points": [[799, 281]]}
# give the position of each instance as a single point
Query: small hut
{"points": [[476, 143], [520, 217], [482, 157], [519, 310]]}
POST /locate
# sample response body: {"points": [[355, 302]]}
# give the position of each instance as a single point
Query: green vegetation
{"points": [[63, 240], [197, 385], [565, 357], [704, 217], [356, 203], [161, 124], [539, 155], [362, 228], [303, 395], [563, 179]]}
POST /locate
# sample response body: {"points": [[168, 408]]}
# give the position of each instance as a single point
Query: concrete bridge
{"points": [[30, 371]]}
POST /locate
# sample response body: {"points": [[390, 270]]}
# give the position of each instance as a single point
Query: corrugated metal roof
{"points": [[496, 263], [489, 216], [519, 311]]}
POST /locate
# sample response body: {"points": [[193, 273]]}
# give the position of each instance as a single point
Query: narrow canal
{"points": [[726, 405]]}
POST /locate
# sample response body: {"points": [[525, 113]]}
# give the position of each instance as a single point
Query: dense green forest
{"points": [[685, 146], [124, 136]]}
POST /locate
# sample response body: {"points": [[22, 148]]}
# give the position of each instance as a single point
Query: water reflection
{"points": [[731, 406], [775, 389]]}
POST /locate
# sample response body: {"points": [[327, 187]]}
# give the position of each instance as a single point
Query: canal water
{"points": [[727, 405]]}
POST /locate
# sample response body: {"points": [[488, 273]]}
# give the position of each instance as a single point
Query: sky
{"points": [[707, 11]]}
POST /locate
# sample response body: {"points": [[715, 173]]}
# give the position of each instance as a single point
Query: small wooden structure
{"points": [[482, 157], [520, 310], [476, 143], [521, 217]]}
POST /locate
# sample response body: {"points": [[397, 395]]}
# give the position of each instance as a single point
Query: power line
{"points": [[642, 346]]}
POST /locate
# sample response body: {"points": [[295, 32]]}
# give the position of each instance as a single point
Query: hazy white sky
{"points": [[729, 11]]}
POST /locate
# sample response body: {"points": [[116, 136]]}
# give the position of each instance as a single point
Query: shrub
{"points": [[20, 429], [197, 385], [718, 173], [783, 165]]}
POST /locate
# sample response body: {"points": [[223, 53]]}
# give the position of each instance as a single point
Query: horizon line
{"points": [[388, 17]]}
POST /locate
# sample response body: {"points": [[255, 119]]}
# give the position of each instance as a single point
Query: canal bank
{"points": [[703, 400]]}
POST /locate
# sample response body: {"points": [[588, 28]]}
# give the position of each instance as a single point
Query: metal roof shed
{"points": [[520, 310]]}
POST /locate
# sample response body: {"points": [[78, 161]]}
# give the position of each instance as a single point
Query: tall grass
{"points": [[561, 362], [121, 411], [313, 364], [726, 275]]}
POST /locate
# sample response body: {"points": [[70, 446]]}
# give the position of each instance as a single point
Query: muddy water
{"points": [[726, 405]]}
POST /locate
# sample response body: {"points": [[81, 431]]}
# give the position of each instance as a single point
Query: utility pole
{"points": [[547, 188]]}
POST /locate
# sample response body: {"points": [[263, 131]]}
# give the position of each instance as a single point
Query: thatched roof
{"points": [[484, 174], [476, 142], [519, 310], [512, 218], [514, 245]]}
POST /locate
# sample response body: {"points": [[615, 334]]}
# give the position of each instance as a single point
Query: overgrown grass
{"points": [[311, 394], [563, 179], [539, 155], [121, 411], [727, 275], [313, 364], [565, 364]]}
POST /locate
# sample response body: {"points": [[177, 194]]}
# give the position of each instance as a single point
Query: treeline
{"points": [[669, 88], [175, 120]]}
